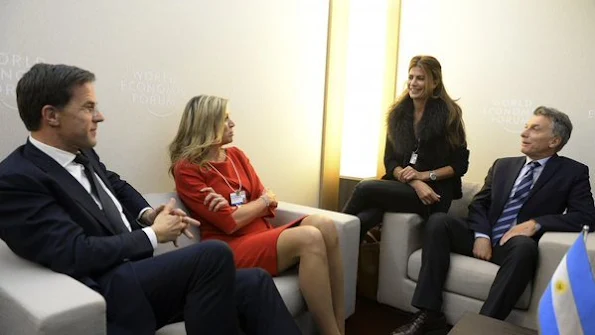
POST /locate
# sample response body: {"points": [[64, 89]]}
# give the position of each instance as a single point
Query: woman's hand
{"points": [[269, 198], [213, 200], [408, 174], [425, 193]]}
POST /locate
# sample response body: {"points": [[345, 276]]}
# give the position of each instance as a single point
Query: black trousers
{"points": [[445, 234], [200, 285], [372, 198]]}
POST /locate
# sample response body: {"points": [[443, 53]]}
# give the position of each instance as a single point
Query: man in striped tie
{"points": [[522, 198]]}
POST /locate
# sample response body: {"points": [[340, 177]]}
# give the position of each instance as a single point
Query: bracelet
{"points": [[266, 200]]}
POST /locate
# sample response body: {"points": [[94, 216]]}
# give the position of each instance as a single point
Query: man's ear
{"points": [[50, 115], [555, 142]]}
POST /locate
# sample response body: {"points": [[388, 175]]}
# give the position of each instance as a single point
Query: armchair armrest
{"points": [[401, 236], [552, 248], [348, 227], [36, 300]]}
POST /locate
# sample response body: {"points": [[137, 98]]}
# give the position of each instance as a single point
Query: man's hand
{"points": [[149, 215], [527, 228], [482, 248], [214, 200], [425, 193], [169, 224], [408, 174]]}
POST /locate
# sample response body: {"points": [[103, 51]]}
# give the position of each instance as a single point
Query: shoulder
{"points": [[185, 168], [237, 153], [439, 109], [16, 162], [18, 172], [507, 162], [570, 163]]}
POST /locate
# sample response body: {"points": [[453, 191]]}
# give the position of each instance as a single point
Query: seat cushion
{"points": [[288, 285], [172, 329], [468, 276]]}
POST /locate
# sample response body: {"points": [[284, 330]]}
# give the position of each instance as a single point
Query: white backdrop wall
{"points": [[503, 59], [151, 56]]}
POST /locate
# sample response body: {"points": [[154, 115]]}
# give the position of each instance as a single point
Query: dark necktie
{"points": [[109, 207], [514, 204]]}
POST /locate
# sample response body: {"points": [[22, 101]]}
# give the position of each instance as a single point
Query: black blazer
{"points": [[432, 148], [46, 216], [562, 186]]}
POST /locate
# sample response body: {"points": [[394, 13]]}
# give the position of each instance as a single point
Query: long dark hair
{"points": [[454, 126]]}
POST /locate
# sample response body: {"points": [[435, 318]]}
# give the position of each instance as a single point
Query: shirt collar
{"points": [[62, 157], [542, 161]]}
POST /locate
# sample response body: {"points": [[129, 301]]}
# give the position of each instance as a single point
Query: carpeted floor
{"points": [[372, 318]]}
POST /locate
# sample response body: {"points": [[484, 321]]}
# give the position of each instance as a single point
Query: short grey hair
{"points": [[562, 125]]}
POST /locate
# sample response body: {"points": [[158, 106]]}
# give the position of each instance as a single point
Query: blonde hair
{"points": [[455, 127], [201, 128]]}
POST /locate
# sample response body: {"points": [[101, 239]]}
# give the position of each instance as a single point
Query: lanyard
{"points": [[225, 179], [417, 146]]}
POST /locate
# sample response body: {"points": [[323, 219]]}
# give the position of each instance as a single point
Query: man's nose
{"points": [[98, 117]]}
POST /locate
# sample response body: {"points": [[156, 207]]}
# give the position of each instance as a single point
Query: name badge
{"points": [[238, 198], [413, 159]]}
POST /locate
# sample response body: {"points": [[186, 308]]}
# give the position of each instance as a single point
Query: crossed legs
{"points": [[315, 245]]}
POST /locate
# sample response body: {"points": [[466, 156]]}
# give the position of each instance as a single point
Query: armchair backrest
{"points": [[459, 208]]}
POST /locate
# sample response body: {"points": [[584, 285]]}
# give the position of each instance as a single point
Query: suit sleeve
{"points": [[128, 196], [480, 205], [37, 227], [580, 209], [189, 181]]}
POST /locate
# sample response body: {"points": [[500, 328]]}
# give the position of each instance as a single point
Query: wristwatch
{"points": [[433, 176]]}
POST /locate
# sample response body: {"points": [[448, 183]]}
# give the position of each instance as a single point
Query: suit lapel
{"points": [[67, 181], [510, 175], [549, 170]]}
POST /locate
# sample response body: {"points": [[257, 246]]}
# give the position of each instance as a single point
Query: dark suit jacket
{"points": [[562, 186], [46, 216]]}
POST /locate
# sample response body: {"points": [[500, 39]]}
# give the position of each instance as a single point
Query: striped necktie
{"points": [[514, 204]]}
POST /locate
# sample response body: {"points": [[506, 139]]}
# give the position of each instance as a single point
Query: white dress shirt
{"points": [[536, 173], [66, 160]]}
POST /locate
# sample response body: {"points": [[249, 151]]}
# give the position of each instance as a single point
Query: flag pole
{"points": [[585, 233]]}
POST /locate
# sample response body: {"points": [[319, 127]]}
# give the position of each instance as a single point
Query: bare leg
{"points": [[306, 245], [335, 262]]}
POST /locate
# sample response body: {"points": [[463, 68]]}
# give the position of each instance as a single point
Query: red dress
{"points": [[254, 245]]}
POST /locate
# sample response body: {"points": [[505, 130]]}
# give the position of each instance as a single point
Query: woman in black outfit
{"points": [[426, 152]]}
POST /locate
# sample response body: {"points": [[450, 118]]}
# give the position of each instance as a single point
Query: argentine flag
{"points": [[567, 306]]}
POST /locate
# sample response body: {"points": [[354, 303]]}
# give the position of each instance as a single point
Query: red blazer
{"points": [[191, 178]]}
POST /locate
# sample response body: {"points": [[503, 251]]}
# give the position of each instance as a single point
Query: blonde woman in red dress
{"points": [[220, 188]]}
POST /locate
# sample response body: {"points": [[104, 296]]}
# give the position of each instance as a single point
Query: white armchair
{"points": [[35, 300], [469, 279]]}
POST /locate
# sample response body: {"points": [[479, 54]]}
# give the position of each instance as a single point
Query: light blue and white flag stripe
{"points": [[567, 306]]}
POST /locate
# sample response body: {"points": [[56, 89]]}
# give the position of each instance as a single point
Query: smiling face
{"points": [[419, 84], [75, 125], [538, 140]]}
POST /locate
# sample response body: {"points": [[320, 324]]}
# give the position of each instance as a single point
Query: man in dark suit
{"points": [[60, 207], [522, 198]]}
